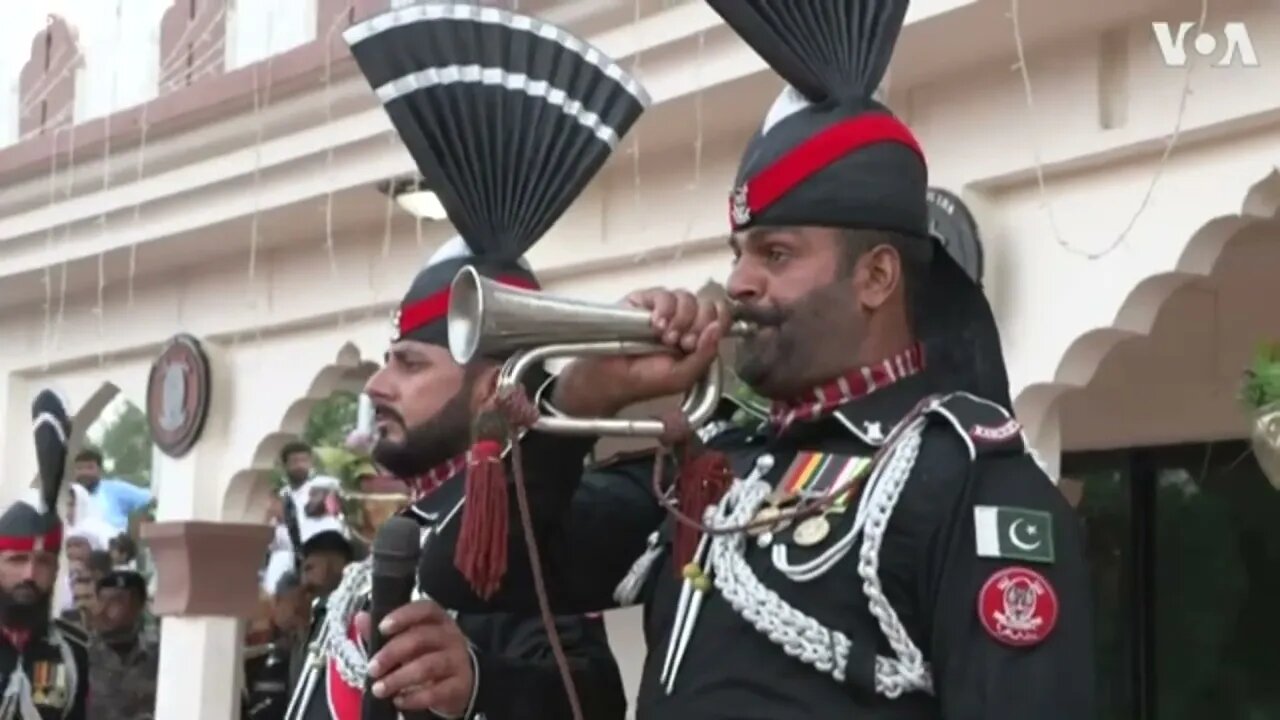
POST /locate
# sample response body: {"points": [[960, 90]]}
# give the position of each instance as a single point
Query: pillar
{"points": [[206, 571], [15, 438], [207, 583]]}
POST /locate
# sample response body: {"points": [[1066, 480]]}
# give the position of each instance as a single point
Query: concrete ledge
{"points": [[206, 568]]}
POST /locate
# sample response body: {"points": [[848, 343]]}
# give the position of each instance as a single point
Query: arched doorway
{"points": [[1183, 529]]}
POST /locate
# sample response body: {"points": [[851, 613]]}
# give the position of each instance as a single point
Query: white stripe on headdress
{"points": [[455, 248], [788, 103]]}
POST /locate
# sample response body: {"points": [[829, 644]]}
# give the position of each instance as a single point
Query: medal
{"points": [[816, 476], [812, 531]]}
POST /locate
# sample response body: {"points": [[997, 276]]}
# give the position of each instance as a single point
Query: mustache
{"points": [[761, 315], [28, 586]]}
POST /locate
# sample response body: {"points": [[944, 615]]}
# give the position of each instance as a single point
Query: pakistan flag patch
{"points": [[1013, 533]]}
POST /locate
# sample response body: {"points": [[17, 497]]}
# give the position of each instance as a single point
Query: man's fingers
{"points": [[425, 670], [682, 317], [401, 649], [440, 696], [708, 313], [691, 367], [415, 613]]}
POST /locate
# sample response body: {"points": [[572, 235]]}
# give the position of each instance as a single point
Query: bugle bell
{"points": [[487, 318]]}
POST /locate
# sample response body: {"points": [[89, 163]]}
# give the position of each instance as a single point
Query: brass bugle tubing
{"points": [[488, 319]]}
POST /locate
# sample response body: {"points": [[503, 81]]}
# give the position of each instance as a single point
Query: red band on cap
{"points": [[435, 306], [51, 540], [812, 155]]}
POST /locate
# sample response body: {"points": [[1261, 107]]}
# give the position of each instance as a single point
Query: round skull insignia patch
{"points": [[1018, 607]]}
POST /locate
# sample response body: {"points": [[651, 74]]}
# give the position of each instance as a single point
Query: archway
{"points": [[1183, 530], [250, 492]]}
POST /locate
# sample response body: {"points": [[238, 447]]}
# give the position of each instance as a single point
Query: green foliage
{"points": [[331, 419], [1262, 379], [326, 432], [752, 407], [126, 446]]}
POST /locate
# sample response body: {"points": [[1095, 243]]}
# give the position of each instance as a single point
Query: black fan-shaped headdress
{"points": [[33, 524], [507, 117], [829, 155]]}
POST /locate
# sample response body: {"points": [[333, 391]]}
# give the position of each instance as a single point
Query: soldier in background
{"points": [[43, 664], [123, 661], [269, 646]]}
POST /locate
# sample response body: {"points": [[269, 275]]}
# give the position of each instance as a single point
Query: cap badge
{"points": [[395, 325], [739, 209]]}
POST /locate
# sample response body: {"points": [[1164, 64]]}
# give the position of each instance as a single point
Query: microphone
{"points": [[395, 564]]}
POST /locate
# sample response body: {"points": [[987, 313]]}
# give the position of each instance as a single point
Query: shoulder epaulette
{"points": [[72, 631], [986, 427]]}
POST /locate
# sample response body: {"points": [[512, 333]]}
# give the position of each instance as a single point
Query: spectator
{"points": [[84, 600], [114, 500], [98, 564], [307, 503], [123, 662], [78, 547], [324, 556], [124, 552]]}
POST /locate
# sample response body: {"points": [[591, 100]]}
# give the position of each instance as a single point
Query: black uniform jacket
{"points": [[58, 689], [517, 674], [266, 682], [948, 591]]}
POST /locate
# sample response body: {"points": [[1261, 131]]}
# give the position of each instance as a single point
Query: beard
{"points": [[25, 607], [430, 443], [800, 344]]}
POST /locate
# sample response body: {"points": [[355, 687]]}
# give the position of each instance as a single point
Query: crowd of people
{"points": [[86, 623]]}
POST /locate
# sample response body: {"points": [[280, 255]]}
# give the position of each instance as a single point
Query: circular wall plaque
{"points": [[178, 395]]}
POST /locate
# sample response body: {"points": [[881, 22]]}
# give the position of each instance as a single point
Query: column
{"points": [[207, 575], [206, 571]]}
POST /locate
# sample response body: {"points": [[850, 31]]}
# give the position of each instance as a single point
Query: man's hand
{"points": [[425, 661], [690, 329]]}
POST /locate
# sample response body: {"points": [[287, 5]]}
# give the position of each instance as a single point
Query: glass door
{"points": [[1184, 543]]}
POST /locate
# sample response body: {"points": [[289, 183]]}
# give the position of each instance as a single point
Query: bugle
{"points": [[487, 318]]}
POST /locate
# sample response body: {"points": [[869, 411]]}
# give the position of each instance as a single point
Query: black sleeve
{"points": [[518, 677], [590, 527], [80, 708], [1012, 631]]}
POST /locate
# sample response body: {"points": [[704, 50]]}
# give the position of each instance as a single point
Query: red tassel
{"points": [[704, 477], [481, 552]]}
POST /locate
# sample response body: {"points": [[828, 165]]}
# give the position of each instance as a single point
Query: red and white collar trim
{"points": [[428, 482], [856, 383]]}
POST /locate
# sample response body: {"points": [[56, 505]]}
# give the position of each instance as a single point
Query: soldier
{"points": [[43, 662], [268, 645], [123, 660], [542, 146], [886, 545]]}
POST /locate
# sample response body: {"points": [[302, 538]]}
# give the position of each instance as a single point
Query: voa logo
{"points": [[1233, 43]]}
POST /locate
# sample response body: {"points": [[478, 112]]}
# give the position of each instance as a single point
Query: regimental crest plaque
{"points": [[178, 395]]}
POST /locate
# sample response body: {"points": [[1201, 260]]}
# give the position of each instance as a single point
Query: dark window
{"points": [[1184, 543]]}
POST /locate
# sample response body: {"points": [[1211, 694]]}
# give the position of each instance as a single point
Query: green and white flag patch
{"points": [[1013, 533]]}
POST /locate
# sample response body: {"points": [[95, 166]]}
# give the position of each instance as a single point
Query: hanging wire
{"points": [[1038, 158], [100, 310]]}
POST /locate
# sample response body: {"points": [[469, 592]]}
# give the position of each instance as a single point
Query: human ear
{"points": [[485, 386], [878, 275]]}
